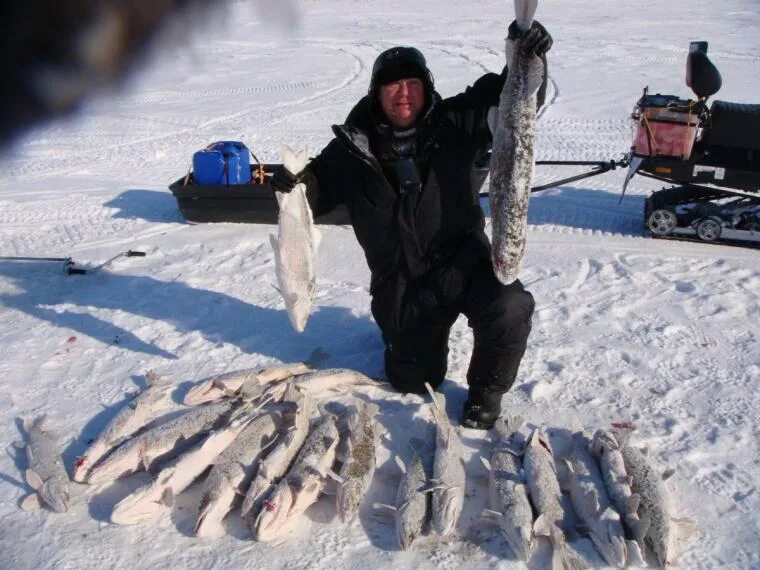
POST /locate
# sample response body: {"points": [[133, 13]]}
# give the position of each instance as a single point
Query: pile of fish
{"points": [[271, 444]]}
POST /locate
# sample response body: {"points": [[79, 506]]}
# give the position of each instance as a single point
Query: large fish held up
{"points": [[295, 247], [512, 151]]}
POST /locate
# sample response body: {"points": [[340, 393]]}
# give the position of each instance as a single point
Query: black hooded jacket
{"points": [[405, 235]]}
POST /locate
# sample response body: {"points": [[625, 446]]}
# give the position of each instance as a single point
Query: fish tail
{"points": [[524, 12]]}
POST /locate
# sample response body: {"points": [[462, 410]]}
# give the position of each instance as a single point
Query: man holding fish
{"points": [[404, 164]]}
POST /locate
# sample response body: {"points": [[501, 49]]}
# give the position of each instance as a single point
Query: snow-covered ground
{"points": [[660, 334]]}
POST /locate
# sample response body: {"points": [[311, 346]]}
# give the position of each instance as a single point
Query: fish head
{"points": [[448, 507], [299, 306], [518, 538], [80, 468], [55, 493], [406, 533], [348, 499], [274, 513]]}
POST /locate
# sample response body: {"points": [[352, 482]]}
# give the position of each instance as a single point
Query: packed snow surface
{"points": [[627, 329]]}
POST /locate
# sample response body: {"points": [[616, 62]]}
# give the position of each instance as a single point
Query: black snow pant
{"points": [[415, 319]]}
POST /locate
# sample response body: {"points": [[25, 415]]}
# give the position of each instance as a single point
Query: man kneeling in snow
{"points": [[404, 165]]}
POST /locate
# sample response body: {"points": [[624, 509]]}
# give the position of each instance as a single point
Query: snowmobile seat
{"points": [[701, 75], [733, 125]]}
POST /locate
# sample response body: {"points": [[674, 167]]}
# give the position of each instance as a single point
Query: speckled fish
{"points": [[608, 451], [45, 472], [512, 151], [592, 504], [277, 462], [232, 473], [151, 500], [233, 383], [448, 481], [654, 506], [141, 451], [295, 247], [141, 410], [359, 464], [412, 509], [545, 495], [305, 480], [508, 494]]}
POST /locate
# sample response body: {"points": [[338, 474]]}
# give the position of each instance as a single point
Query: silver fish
{"points": [[608, 451], [654, 506], [328, 379], [276, 464], [512, 151], [143, 408], [508, 493], [45, 472], [592, 504], [448, 482], [149, 501], [295, 247], [305, 480], [545, 494], [359, 465], [141, 451], [233, 471], [233, 383]]}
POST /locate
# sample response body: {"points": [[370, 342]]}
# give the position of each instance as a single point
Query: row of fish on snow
{"points": [[270, 436]]}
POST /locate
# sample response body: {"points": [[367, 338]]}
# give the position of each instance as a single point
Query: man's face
{"points": [[402, 101]]}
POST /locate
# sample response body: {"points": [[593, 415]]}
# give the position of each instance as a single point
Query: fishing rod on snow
{"points": [[70, 267]]}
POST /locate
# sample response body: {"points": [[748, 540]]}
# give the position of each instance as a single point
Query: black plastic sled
{"points": [[252, 203]]}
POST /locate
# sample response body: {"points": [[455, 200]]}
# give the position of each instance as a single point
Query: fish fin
{"points": [[18, 444], [535, 75], [384, 509], [486, 463], [335, 477], [667, 474], [633, 502], [152, 378], [400, 464], [686, 527], [491, 514], [542, 526], [622, 437], [513, 423], [492, 119], [33, 480], [31, 503], [609, 514], [167, 498], [40, 422], [525, 10], [593, 497]]}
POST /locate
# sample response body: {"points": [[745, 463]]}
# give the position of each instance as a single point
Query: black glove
{"points": [[536, 41], [283, 180]]}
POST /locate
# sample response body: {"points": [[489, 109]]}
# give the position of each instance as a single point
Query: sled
{"points": [[251, 203]]}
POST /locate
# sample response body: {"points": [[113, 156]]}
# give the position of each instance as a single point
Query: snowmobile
{"points": [[711, 155]]}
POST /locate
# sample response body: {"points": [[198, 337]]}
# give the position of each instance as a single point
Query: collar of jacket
{"points": [[360, 122]]}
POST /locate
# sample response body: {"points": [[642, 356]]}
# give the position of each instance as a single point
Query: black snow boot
{"points": [[482, 408]]}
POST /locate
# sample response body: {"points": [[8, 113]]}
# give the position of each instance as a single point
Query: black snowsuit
{"points": [[426, 246]]}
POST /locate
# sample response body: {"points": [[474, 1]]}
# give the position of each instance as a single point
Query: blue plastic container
{"points": [[224, 162]]}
